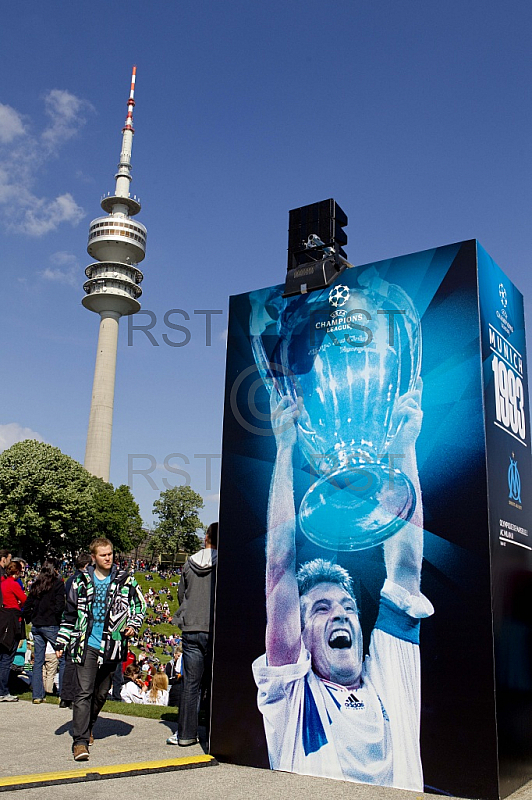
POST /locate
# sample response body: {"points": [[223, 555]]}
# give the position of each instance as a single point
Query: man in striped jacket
{"points": [[104, 608]]}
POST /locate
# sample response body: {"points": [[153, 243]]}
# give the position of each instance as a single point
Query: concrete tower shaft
{"points": [[118, 243], [99, 435]]}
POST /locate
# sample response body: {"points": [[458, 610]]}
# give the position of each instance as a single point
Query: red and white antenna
{"points": [[123, 176], [130, 103]]}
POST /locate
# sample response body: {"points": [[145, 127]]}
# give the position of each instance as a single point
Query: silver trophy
{"points": [[345, 355]]}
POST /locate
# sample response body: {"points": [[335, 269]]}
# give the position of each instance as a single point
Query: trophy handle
{"points": [[260, 319], [396, 296], [277, 378], [413, 328]]}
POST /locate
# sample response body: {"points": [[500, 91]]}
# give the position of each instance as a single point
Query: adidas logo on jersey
{"points": [[353, 702]]}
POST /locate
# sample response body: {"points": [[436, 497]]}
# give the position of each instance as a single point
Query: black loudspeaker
{"points": [[325, 220]]}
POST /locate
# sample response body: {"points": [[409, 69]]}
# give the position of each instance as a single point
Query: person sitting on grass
{"points": [[157, 695], [133, 690]]}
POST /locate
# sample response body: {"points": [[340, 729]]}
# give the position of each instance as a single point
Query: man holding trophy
{"points": [[327, 710]]}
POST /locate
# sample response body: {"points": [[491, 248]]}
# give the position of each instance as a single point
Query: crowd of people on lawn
{"points": [[85, 630], [40, 595]]}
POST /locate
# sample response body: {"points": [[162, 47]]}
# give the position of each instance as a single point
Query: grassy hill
{"points": [[166, 628]]}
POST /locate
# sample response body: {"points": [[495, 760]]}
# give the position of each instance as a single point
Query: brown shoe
{"points": [[91, 740], [80, 752]]}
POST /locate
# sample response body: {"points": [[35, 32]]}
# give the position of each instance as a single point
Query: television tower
{"points": [[112, 291]]}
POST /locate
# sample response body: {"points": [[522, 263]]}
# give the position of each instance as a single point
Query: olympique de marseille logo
{"points": [[514, 481], [338, 296], [503, 295]]}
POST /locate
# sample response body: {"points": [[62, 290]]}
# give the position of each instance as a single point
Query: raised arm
{"points": [[403, 552], [283, 630]]}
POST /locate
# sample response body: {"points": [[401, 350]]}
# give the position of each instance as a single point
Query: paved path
{"points": [[36, 739]]}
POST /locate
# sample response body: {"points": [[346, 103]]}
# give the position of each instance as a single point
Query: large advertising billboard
{"points": [[507, 421], [353, 634]]}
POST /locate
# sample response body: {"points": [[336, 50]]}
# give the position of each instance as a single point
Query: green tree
{"points": [[177, 509], [131, 516], [49, 503], [45, 500], [116, 516]]}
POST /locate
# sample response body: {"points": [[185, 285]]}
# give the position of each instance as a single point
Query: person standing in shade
{"points": [[105, 606], [195, 618], [13, 599], [44, 608]]}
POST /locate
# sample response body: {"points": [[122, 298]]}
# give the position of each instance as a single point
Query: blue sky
{"points": [[414, 116]]}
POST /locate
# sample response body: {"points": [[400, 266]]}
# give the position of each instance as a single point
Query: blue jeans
{"points": [[197, 661], [42, 635], [118, 682], [6, 659]]}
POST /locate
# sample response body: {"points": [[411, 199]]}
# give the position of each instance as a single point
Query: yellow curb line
{"points": [[111, 771]]}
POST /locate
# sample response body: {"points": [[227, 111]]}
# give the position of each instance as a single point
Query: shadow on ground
{"points": [[103, 729]]}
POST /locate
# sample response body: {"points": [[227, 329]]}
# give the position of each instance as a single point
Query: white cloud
{"points": [[23, 154], [213, 498], [64, 110], [42, 216], [11, 124], [12, 432], [65, 269]]}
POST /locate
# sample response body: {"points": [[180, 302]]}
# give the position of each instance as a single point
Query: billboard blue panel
{"points": [[353, 617], [507, 419]]}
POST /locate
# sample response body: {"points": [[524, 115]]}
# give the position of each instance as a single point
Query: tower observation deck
{"points": [[117, 242]]}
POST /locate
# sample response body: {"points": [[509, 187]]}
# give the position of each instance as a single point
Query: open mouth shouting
{"points": [[340, 638], [331, 633]]}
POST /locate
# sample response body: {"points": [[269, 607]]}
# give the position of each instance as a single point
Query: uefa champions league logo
{"points": [[514, 481], [339, 295], [503, 295]]}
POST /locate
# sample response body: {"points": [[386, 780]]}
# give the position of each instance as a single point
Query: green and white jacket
{"points": [[125, 607]]}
